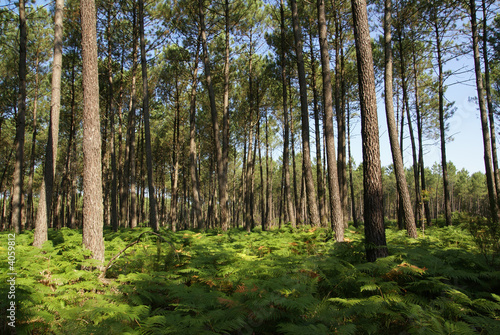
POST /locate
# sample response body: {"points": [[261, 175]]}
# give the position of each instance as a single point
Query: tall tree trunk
{"points": [[45, 201], [319, 165], [224, 159], [114, 182], [335, 201], [425, 194], [30, 208], [489, 101], [490, 181], [289, 208], [261, 170], [147, 129], [298, 215], [442, 127], [175, 160], [312, 204], [17, 195], [215, 122], [372, 174], [130, 166], [92, 174], [391, 125], [248, 179], [353, 201], [197, 218], [269, 184], [340, 113], [123, 181]]}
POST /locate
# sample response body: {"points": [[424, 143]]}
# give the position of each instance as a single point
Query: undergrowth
{"points": [[278, 282]]}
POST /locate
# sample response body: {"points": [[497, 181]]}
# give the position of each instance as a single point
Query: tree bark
{"points": [[147, 129], [340, 114], [490, 181], [17, 194], [372, 175], [312, 204], [289, 208], [444, 164], [333, 180], [489, 102], [30, 208], [197, 218], [130, 166], [319, 165], [114, 182], [92, 174], [45, 202], [391, 125], [425, 194]]}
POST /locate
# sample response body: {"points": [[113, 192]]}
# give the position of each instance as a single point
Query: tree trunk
{"points": [[424, 192], [269, 183], [340, 113], [175, 160], [147, 130], [489, 101], [197, 218], [114, 182], [490, 181], [92, 174], [130, 166], [30, 208], [319, 165], [335, 201], [17, 195], [353, 201], [223, 169], [372, 175], [391, 125], [286, 146], [442, 126], [306, 151], [45, 202]]}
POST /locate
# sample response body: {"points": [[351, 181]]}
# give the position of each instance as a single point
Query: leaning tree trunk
{"points": [[402, 186], [489, 101], [372, 173], [92, 174], [312, 204], [492, 195], [335, 201]]}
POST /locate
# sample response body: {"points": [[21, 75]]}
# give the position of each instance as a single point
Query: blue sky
{"points": [[466, 148]]}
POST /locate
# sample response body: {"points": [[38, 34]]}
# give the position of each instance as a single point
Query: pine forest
{"points": [[249, 167]]}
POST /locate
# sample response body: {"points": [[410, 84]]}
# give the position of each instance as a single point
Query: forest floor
{"points": [[284, 281]]}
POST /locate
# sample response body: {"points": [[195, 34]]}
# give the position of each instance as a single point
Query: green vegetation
{"points": [[287, 281]]}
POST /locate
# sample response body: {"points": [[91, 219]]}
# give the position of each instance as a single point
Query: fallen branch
{"points": [[111, 261]]}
